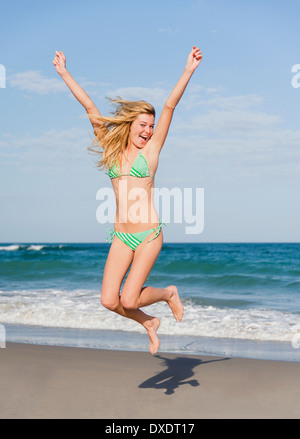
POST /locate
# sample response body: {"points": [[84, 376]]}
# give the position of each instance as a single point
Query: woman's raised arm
{"points": [[165, 119], [82, 97]]}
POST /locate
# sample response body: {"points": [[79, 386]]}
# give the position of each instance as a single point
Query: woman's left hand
{"points": [[60, 62], [194, 59]]}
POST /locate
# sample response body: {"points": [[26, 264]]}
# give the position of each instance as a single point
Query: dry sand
{"points": [[61, 382]]}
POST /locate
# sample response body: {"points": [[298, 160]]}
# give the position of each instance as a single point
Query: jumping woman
{"points": [[129, 148]]}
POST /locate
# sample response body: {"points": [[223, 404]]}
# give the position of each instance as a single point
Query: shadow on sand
{"points": [[177, 373]]}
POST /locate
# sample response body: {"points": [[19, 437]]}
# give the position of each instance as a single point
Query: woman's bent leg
{"points": [[135, 295], [118, 261]]}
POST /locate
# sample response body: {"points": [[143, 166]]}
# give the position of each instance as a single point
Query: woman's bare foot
{"points": [[151, 327], [174, 303]]}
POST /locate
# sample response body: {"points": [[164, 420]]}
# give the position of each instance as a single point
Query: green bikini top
{"points": [[139, 169]]}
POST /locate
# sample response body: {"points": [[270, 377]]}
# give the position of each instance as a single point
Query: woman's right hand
{"points": [[60, 62]]}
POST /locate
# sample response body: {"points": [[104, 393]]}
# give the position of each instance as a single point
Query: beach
{"points": [[38, 381], [234, 355]]}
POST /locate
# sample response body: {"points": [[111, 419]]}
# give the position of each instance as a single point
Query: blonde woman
{"points": [[129, 149]]}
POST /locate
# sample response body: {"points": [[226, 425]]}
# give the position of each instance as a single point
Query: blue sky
{"points": [[235, 132]]}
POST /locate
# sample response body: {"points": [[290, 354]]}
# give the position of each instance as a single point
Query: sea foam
{"points": [[82, 309], [10, 248]]}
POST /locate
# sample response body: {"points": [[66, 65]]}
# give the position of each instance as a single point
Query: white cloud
{"points": [[35, 82], [199, 96], [165, 30], [155, 96], [52, 150], [196, 95], [236, 132], [208, 128], [227, 116], [235, 122]]}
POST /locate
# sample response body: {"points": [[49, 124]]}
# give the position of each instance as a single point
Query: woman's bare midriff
{"points": [[135, 211]]}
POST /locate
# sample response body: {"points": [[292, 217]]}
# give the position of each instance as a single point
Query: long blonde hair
{"points": [[111, 138]]}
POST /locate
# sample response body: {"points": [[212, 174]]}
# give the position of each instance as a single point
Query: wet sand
{"points": [[71, 383]]}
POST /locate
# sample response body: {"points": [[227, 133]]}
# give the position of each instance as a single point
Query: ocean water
{"points": [[239, 299]]}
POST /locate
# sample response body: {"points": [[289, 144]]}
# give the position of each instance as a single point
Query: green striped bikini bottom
{"points": [[132, 240]]}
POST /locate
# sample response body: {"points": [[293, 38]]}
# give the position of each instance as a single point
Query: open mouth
{"points": [[144, 138]]}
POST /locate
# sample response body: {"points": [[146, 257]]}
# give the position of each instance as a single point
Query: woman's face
{"points": [[141, 130]]}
